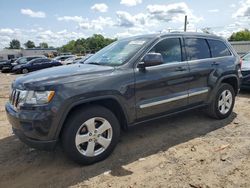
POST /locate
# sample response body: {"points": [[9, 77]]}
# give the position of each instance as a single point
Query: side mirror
{"points": [[151, 59]]}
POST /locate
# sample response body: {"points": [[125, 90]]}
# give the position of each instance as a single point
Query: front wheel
{"points": [[25, 71], [222, 105], [90, 134]]}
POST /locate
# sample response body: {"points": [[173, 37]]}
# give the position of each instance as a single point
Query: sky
{"points": [[57, 22]]}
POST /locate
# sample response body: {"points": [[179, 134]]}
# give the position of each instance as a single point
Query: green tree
{"points": [[69, 47], [43, 45], [80, 46], [29, 44], [15, 44], [240, 36], [89, 45]]}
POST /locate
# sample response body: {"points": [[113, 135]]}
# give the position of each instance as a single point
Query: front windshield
{"points": [[118, 52], [21, 60]]}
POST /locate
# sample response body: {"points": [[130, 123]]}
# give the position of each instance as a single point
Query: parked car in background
{"points": [[63, 58], [131, 81], [245, 70], [8, 66], [71, 60], [2, 62], [35, 64], [83, 59]]}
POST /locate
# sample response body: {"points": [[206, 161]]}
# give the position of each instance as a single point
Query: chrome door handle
{"points": [[180, 69]]}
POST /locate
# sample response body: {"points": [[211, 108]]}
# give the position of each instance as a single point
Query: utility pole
{"points": [[185, 24]]}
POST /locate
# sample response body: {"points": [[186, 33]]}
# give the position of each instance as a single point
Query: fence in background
{"points": [[241, 47]]}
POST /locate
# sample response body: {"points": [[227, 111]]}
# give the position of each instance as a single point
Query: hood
{"points": [[17, 67], [60, 75]]}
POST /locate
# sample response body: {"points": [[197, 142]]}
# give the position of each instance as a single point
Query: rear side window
{"points": [[170, 49], [45, 60], [37, 61], [197, 48], [31, 58], [218, 48]]}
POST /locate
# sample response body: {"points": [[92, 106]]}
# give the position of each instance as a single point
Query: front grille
{"points": [[14, 97]]}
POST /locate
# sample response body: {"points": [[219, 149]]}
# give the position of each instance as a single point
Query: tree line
{"points": [[243, 35], [96, 42], [80, 46], [15, 44], [88, 45]]}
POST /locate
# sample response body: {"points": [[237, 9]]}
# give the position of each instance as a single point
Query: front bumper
{"points": [[38, 144], [32, 127]]}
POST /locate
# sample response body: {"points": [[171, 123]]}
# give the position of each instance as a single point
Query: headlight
{"points": [[39, 97], [35, 97]]}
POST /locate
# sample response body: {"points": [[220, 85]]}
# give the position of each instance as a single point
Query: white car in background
{"points": [[62, 58], [83, 59], [72, 60], [245, 70]]}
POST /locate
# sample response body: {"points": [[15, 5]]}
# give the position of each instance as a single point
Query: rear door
{"points": [[201, 68], [163, 88]]}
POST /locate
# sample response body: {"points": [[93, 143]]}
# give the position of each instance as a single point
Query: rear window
{"points": [[197, 48], [246, 57], [218, 48], [63, 58]]}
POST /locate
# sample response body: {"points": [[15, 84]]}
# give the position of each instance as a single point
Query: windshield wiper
{"points": [[94, 63]]}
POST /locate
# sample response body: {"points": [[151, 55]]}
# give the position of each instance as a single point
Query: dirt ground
{"points": [[188, 150]]}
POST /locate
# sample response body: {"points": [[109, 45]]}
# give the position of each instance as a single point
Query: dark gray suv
{"points": [[131, 81]]}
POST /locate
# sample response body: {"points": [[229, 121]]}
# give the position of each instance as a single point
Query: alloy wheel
{"points": [[225, 101], [93, 137]]}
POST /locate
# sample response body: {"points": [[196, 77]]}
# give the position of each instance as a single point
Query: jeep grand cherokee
{"points": [[131, 81]]}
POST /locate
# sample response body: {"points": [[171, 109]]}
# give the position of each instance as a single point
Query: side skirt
{"points": [[167, 115]]}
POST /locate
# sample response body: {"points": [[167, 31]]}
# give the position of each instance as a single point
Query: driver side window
{"points": [[170, 49]]}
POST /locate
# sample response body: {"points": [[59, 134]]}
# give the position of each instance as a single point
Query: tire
{"points": [[225, 97], [79, 136], [25, 71]]}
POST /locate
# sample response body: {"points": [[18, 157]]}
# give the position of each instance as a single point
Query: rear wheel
{"points": [[90, 134], [222, 105], [25, 71]]}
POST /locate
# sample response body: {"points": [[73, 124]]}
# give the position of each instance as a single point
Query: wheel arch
{"points": [[109, 102], [231, 79]]}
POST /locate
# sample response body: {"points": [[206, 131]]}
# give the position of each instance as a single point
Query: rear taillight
{"points": [[241, 61]]}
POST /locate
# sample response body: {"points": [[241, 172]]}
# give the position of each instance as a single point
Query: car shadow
{"points": [[245, 93], [25, 167]]}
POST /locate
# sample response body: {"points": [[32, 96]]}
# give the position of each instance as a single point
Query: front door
{"points": [[163, 88], [37, 65]]}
